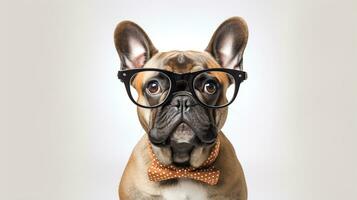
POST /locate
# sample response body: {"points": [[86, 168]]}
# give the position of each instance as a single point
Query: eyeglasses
{"points": [[212, 88]]}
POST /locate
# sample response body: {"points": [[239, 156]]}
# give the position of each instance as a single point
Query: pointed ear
{"points": [[133, 45], [228, 43]]}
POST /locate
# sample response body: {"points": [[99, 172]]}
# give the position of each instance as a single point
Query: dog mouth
{"points": [[183, 147], [181, 136], [182, 131], [182, 142]]}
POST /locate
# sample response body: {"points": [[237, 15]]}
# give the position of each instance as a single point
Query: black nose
{"points": [[183, 101]]}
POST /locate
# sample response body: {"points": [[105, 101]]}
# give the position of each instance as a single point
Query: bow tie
{"points": [[207, 173]]}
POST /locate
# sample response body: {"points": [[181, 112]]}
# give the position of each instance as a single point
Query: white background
{"points": [[67, 126]]}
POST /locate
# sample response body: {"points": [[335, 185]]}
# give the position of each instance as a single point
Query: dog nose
{"points": [[183, 102]]}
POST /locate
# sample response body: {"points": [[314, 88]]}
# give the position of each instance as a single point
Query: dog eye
{"points": [[210, 87], [153, 87]]}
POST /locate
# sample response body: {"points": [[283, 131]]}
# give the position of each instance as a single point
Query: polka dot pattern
{"points": [[207, 173]]}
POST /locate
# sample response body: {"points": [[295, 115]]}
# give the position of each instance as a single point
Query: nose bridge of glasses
{"points": [[182, 82], [182, 85]]}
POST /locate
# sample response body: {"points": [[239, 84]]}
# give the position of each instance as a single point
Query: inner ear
{"points": [[133, 45], [228, 43]]}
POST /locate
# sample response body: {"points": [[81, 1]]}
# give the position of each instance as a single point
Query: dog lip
{"points": [[158, 138], [181, 147], [154, 138], [183, 126], [183, 133]]}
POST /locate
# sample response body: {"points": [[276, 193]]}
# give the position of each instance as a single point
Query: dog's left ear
{"points": [[133, 45], [228, 43]]}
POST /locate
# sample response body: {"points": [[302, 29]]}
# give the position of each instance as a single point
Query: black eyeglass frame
{"points": [[125, 76]]}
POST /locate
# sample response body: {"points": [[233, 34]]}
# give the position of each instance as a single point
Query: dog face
{"points": [[182, 131]]}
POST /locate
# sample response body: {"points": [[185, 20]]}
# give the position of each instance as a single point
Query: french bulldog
{"points": [[182, 99]]}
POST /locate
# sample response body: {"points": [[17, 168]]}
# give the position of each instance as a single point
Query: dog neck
{"points": [[206, 173]]}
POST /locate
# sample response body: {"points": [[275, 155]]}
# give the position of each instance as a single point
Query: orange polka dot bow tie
{"points": [[207, 173]]}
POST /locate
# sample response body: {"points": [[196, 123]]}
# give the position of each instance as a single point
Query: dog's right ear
{"points": [[133, 45]]}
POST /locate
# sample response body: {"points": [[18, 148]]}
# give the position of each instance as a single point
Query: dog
{"points": [[184, 154]]}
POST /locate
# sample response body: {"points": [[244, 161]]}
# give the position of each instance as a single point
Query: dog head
{"points": [[182, 131]]}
